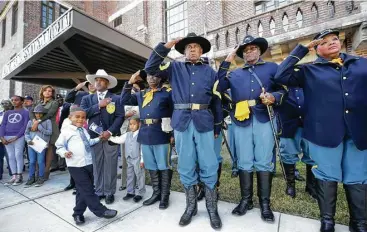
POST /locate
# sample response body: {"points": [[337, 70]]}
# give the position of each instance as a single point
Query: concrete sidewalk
{"points": [[49, 209]]}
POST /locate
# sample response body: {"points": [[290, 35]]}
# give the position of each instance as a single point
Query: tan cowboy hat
{"points": [[112, 81]]}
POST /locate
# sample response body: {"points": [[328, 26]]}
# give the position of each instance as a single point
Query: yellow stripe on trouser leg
{"points": [[242, 111]]}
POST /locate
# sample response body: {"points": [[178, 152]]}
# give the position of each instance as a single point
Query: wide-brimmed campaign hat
{"points": [[39, 109], [112, 81], [259, 41], [193, 38]]}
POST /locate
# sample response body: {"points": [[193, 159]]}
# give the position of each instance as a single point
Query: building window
{"points": [[299, 17], [272, 26], [331, 8], [117, 22], [285, 22], [47, 13], [248, 29], [315, 12], [264, 6], [62, 10], [3, 35], [14, 19], [237, 35], [176, 15], [217, 41], [227, 39], [260, 29]]}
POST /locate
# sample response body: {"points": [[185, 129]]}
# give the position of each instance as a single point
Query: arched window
{"points": [[237, 35], [227, 39], [217, 41], [248, 29], [299, 17], [272, 26], [260, 29], [331, 8], [314, 12], [285, 22]]}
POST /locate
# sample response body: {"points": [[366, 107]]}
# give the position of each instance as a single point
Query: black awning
{"points": [[74, 45]]}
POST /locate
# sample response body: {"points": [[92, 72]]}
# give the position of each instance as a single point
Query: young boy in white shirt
{"points": [[135, 165], [74, 144]]}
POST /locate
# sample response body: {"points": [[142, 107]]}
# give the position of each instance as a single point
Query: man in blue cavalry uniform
{"points": [[196, 120], [335, 124], [104, 110], [291, 114], [155, 103], [252, 89]]}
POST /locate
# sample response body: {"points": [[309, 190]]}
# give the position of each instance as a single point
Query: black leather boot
{"points": [[155, 181], [291, 179], [357, 203], [211, 197], [264, 182], [326, 198], [166, 177], [191, 206], [310, 182], [246, 184]]}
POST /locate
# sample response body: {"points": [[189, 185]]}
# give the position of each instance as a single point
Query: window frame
{"points": [[265, 7], [168, 17], [61, 8], [14, 18], [48, 7]]}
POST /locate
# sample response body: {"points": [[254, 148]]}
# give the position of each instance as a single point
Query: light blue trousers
{"points": [[157, 157]]}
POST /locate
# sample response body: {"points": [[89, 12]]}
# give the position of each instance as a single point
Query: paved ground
{"points": [[49, 209]]}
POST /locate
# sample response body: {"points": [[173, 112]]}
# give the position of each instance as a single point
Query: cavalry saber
{"points": [[277, 147], [228, 148]]}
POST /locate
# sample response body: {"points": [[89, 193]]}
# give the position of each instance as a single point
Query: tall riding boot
{"points": [[264, 182], [291, 179], [166, 177], [211, 197], [326, 197], [310, 182], [246, 184], [200, 191], [357, 203], [219, 172], [191, 206], [155, 180]]}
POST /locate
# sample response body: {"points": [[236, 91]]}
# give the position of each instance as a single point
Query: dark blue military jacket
{"points": [[160, 107], [111, 122], [191, 83], [75, 97], [291, 113], [244, 86], [335, 97]]}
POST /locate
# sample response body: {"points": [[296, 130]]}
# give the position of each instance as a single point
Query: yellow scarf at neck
{"points": [[148, 97], [338, 61]]}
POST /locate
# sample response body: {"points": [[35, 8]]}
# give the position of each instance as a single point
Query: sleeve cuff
{"points": [[225, 65], [299, 52]]}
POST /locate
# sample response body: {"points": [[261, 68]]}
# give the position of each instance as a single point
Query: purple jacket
{"points": [[14, 123]]}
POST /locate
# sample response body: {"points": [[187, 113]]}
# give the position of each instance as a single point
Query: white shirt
{"points": [[101, 95], [122, 138], [70, 140]]}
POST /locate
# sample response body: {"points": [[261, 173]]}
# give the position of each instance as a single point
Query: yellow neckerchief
{"points": [[338, 61], [242, 111], [148, 96]]}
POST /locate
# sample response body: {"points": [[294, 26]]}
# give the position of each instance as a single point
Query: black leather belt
{"points": [[150, 121], [191, 106]]}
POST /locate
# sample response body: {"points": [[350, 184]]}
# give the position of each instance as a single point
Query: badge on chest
{"points": [[111, 107]]}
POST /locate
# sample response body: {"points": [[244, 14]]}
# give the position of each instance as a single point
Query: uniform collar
{"points": [[199, 62], [345, 57], [259, 62]]}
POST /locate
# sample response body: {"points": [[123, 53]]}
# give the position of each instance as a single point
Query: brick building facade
{"points": [[283, 22]]}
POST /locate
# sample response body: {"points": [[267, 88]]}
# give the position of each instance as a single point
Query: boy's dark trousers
{"points": [[85, 195]]}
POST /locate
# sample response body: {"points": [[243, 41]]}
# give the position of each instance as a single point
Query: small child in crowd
{"points": [[135, 165], [12, 136], [74, 143], [43, 131]]}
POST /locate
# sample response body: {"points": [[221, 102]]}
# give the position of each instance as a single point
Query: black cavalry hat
{"points": [[193, 38], [260, 42], [326, 32]]}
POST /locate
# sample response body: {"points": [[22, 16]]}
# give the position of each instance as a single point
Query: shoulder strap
{"points": [[256, 77]]}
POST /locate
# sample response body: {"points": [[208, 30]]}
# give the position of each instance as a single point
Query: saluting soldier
{"points": [[252, 88], [335, 124], [291, 116], [155, 104], [193, 122]]}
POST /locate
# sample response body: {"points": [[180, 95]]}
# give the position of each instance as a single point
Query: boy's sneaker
{"points": [[40, 182], [18, 181], [30, 182], [11, 181]]}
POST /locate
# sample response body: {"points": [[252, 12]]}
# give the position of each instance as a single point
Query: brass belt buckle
{"points": [[195, 106], [251, 102], [149, 121]]}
